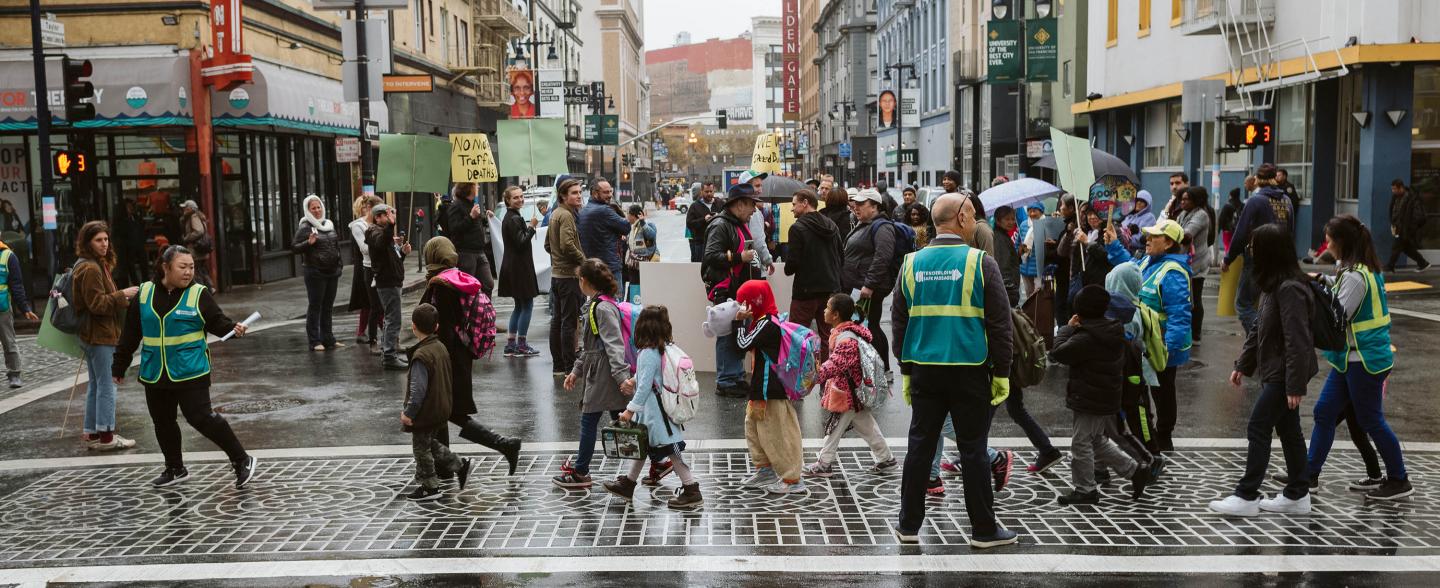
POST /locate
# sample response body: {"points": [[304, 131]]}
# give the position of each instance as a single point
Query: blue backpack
{"points": [[904, 238]]}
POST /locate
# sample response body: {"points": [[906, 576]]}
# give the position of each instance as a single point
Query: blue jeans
{"points": [[1247, 294], [1272, 414], [1364, 391], [390, 335], [589, 430], [729, 363], [320, 295], [949, 431], [100, 392], [520, 317]]}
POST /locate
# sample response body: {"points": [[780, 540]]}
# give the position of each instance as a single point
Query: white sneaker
{"points": [[116, 442], [783, 487], [760, 479], [1236, 506], [1285, 505]]}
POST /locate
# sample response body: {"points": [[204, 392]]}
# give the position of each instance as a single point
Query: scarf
{"points": [[440, 255], [321, 224], [756, 295]]}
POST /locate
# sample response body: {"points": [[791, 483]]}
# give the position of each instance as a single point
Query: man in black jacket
{"points": [[729, 262], [387, 261], [814, 260], [701, 212], [468, 227], [1407, 217]]}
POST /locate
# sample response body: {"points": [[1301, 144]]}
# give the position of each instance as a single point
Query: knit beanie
{"points": [[1091, 302]]}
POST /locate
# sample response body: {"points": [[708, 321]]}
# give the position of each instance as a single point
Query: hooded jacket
{"points": [[1123, 283], [1095, 352], [1144, 218], [1268, 205], [814, 256], [1175, 298], [324, 255], [444, 291], [870, 257]]}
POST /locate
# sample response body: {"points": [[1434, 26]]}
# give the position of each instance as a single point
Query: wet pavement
{"points": [[334, 461]]}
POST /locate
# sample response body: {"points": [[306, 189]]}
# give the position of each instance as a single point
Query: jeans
{"points": [[565, 317], [7, 339], [697, 250], [872, 319], [194, 403], [1197, 307], [520, 317], [476, 264], [963, 394], [390, 335], [1092, 449], [1406, 246], [1247, 294], [100, 391], [589, 430], [1366, 393], [729, 363], [320, 294], [1166, 409], [949, 431], [804, 310], [1272, 414]]}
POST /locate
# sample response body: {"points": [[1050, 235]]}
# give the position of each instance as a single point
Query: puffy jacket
{"points": [[601, 230], [814, 256], [468, 234], [1196, 223], [1095, 352], [870, 258], [1268, 205], [1175, 298], [722, 258]]}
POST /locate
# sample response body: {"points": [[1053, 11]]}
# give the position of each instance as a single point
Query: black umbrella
{"points": [[1105, 165], [779, 188]]}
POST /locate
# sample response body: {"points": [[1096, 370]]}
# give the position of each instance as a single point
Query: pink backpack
{"points": [[476, 327], [629, 313], [799, 359]]}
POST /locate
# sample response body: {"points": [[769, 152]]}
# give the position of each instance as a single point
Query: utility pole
{"points": [[362, 71], [42, 124]]}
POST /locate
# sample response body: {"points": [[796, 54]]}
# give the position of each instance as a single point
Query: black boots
{"points": [[507, 446]]}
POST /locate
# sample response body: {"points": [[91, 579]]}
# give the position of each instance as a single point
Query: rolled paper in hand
{"points": [[254, 316]]}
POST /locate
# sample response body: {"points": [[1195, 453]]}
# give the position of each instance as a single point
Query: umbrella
{"points": [[1105, 165], [1021, 191], [776, 188]]}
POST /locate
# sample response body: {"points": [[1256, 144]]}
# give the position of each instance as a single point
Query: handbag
{"points": [[625, 440]]}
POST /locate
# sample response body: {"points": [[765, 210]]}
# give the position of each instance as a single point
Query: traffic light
{"points": [[71, 163], [692, 139], [1247, 135], [76, 73], [722, 118]]}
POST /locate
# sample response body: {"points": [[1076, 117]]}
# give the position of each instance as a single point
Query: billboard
{"points": [[522, 93]]}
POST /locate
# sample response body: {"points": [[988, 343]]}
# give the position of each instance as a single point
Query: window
{"points": [[1163, 148], [420, 25], [1176, 14], [1065, 88], [1112, 24], [1144, 18], [444, 36]]}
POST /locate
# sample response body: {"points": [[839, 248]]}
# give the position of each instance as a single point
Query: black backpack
{"points": [[1328, 322], [904, 237], [65, 317]]}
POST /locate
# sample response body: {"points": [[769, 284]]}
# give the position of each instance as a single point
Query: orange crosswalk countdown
{"points": [[71, 163]]}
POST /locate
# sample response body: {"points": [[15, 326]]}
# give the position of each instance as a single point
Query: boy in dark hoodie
{"points": [[1093, 346]]}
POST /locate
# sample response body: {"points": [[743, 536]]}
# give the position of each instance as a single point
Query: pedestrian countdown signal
{"points": [[1247, 135], [71, 163]]}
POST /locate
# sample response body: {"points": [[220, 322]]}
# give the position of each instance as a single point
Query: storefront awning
{"points": [[289, 98], [129, 92]]}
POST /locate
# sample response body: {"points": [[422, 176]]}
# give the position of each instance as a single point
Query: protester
{"points": [[950, 182], [698, 217], [1280, 352], [1135, 426], [1197, 218], [387, 258], [542, 211], [1029, 265], [318, 246], [103, 306], [1358, 375], [517, 273], [172, 316], [1165, 289], [446, 292], [562, 242], [1179, 181], [761, 224], [1068, 214], [870, 265], [362, 290], [1099, 243], [919, 221], [1228, 215], [1141, 216], [1006, 255], [815, 254], [601, 228], [196, 236], [1407, 218], [984, 236], [837, 208], [837, 378], [1094, 348], [13, 301], [600, 368], [642, 248], [468, 227], [666, 437], [1269, 205], [959, 366], [428, 405], [728, 263], [772, 427]]}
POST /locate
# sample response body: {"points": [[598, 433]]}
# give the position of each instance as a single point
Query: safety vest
{"points": [[944, 287], [173, 345], [1151, 295], [1369, 332], [4, 280]]}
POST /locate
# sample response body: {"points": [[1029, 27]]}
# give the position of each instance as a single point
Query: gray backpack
{"points": [[873, 389]]}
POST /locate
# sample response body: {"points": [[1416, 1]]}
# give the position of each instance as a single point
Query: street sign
{"points": [[52, 32], [909, 156], [347, 149], [417, 83], [845, 150], [577, 93], [1247, 135], [371, 129]]}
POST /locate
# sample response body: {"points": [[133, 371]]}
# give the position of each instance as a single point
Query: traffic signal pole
{"points": [[42, 123]]}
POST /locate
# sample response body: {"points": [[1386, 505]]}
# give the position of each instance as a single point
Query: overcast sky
{"points": [[703, 19]]}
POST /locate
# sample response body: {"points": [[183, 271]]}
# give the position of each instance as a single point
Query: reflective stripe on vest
{"points": [[1153, 297], [172, 345], [1369, 332], [5, 280], [944, 288]]}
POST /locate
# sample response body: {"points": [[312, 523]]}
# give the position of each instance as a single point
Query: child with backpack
{"points": [[664, 431], [852, 381], [427, 407], [600, 368], [772, 428]]}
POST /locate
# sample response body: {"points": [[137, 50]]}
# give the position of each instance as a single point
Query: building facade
{"points": [[811, 116], [913, 61], [848, 79], [613, 51]]}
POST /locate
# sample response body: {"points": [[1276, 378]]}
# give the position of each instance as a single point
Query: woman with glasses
{"points": [[169, 323]]}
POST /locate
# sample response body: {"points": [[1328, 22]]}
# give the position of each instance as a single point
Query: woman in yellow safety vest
{"points": [[1358, 374], [168, 324]]}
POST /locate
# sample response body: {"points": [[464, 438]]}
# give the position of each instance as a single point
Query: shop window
{"points": [[1425, 151]]}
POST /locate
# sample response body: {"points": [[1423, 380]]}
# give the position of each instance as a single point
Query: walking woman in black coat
{"points": [[517, 272]]}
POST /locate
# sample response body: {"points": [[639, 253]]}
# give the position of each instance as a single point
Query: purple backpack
{"points": [[798, 361]]}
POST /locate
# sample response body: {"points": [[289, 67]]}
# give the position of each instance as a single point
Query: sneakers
{"points": [[1078, 497], [1423, 267], [622, 486], [1001, 536], [1236, 506], [1138, 481], [511, 350], [1046, 461], [936, 488], [421, 494], [886, 466], [905, 536], [170, 477], [783, 487], [462, 475], [572, 481], [1365, 484], [15, 381], [1157, 466], [526, 351], [687, 497], [245, 470], [762, 478], [317, 347], [819, 469], [731, 392], [1284, 480], [658, 472], [1281, 504], [1000, 468], [1391, 490], [949, 465], [116, 442]]}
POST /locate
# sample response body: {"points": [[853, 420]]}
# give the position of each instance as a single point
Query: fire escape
{"points": [[496, 23]]}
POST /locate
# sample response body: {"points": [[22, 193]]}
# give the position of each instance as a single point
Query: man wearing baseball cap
{"points": [[387, 259], [1165, 289], [870, 263], [728, 263]]}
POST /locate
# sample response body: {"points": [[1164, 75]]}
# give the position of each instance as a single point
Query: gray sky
{"points": [[704, 19]]}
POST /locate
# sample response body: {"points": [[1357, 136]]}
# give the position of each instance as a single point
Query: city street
{"points": [[327, 506]]}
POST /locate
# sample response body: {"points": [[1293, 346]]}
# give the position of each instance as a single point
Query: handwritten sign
{"points": [[470, 158], [766, 157]]}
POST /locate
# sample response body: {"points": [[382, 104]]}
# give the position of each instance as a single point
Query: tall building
{"points": [[699, 79], [847, 93], [811, 117], [613, 52], [913, 63]]}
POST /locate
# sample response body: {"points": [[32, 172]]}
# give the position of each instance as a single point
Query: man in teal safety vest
{"points": [[951, 317], [12, 301]]}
